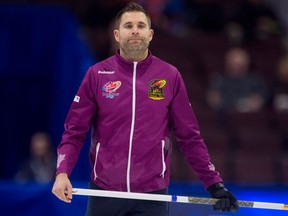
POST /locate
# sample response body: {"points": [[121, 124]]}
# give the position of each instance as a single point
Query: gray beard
{"points": [[134, 52]]}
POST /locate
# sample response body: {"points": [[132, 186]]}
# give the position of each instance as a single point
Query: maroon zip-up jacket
{"points": [[131, 108]]}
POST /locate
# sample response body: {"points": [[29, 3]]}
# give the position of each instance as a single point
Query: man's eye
{"points": [[128, 26], [141, 26]]}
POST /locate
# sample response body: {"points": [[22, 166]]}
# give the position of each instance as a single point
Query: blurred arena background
{"points": [[46, 46]]}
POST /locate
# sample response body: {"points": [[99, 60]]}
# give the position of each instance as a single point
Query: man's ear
{"points": [[151, 34], [116, 35]]}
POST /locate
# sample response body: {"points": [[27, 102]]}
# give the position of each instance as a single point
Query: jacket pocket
{"points": [[163, 159], [96, 157]]}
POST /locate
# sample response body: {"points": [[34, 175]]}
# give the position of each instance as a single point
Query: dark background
{"points": [[47, 46]]}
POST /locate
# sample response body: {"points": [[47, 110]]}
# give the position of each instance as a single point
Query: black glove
{"points": [[227, 201]]}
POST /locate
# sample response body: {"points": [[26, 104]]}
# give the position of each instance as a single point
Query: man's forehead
{"points": [[132, 17]]}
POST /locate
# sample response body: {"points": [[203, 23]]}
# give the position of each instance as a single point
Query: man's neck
{"points": [[134, 56]]}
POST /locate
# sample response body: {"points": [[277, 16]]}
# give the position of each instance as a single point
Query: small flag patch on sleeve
{"points": [[76, 98]]}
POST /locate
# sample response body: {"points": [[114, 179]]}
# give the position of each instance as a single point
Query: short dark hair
{"points": [[131, 7]]}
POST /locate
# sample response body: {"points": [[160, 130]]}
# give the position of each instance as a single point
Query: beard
{"points": [[135, 45]]}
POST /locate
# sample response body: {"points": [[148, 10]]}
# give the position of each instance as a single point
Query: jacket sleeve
{"points": [[188, 136], [77, 124]]}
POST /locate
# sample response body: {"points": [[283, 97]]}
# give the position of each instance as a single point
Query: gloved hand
{"points": [[227, 201]]}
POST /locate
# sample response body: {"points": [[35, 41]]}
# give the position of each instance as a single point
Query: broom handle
{"points": [[173, 198]]}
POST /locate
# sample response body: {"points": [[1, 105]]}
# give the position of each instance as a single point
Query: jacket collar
{"points": [[127, 66]]}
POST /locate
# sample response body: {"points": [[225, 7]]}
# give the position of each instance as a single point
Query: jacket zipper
{"points": [[163, 159], [132, 126], [96, 157]]}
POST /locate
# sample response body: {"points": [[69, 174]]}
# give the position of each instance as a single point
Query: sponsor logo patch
{"points": [[109, 89], [106, 72], [156, 89], [76, 99]]}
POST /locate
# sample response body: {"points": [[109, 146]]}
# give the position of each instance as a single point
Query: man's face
{"points": [[134, 33]]}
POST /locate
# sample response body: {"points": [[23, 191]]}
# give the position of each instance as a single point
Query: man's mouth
{"points": [[135, 40]]}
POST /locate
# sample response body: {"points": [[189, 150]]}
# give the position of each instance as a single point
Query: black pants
{"points": [[102, 206]]}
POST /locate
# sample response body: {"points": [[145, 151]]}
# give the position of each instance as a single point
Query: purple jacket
{"points": [[131, 108]]}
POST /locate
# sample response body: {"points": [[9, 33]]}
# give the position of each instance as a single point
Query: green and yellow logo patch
{"points": [[156, 89]]}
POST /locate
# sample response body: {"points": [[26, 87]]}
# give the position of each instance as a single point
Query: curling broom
{"points": [[173, 198]]}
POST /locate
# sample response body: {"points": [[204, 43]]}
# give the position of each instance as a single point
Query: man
{"points": [[237, 89], [132, 99]]}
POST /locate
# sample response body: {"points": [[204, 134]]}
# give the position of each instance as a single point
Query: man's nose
{"points": [[135, 30]]}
